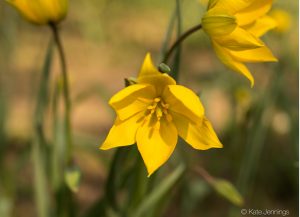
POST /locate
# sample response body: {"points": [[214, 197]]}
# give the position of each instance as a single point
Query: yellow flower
{"points": [[283, 20], [41, 11], [153, 112], [235, 27]]}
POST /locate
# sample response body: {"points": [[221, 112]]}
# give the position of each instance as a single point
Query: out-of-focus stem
{"points": [[205, 175], [66, 94], [176, 62]]}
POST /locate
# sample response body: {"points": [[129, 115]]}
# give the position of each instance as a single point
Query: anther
{"points": [[156, 100]]}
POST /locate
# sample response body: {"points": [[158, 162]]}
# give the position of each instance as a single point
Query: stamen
{"points": [[165, 105], [156, 100], [160, 109], [159, 113]]}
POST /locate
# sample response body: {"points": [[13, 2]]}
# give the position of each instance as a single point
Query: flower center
{"points": [[158, 110]]}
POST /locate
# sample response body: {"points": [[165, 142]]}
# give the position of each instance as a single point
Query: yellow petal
{"points": [[253, 12], [184, 101], [56, 9], [132, 99], [232, 6], [233, 64], [262, 54], [239, 39], [31, 12], [160, 82], [218, 25], [41, 11], [200, 136], [156, 145], [261, 26], [148, 68], [123, 133], [150, 75]]}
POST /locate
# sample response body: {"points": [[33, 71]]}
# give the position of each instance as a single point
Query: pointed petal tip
{"points": [[148, 58], [148, 55], [220, 145], [150, 171], [275, 60], [106, 146], [103, 147]]}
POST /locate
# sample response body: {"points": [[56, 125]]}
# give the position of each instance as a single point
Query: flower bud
{"points": [[41, 12]]}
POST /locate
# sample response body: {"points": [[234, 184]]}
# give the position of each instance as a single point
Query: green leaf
{"points": [[227, 190], [39, 143], [72, 178], [6, 205], [115, 176], [153, 198]]}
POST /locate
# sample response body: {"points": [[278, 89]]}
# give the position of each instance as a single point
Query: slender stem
{"points": [[176, 62], [205, 175], [66, 95], [168, 35], [179, 40]]}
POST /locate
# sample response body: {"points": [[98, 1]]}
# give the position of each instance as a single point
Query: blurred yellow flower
{"points": [[235, 27], [153, 112], [41, 11], [283, 20]]}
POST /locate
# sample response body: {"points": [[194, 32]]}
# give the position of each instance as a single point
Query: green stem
{"points": [[66, 94], [179, 40], [176, 62], [168, 35]]}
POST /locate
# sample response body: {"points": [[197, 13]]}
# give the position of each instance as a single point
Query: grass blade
{"points": [[161, 190]]}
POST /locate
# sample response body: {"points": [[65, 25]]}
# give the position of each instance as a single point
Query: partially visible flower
{"points": [[153, 112], [41, 12], [235, 27], [203, 2], [283, 20]]}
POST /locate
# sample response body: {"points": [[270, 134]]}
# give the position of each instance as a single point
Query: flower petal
{"points": [[156, 145], [232, 6], [123, 133], [253, 12], [219, 24], [33, 12], [148, 68], [262, 54], [132, 99], [150, 75], [230, 62], [239, 39], [184, 101], [261, 26], [200, 136]]}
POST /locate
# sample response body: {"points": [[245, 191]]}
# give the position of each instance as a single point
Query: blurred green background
{"points": [[105, 42]]}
